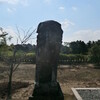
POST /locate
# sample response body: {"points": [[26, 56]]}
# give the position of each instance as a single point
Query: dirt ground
{"points": [[68, 76]]}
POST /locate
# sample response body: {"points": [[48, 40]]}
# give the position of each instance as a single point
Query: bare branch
{"points": [[13, 63], [28, 30], [23, 32], [28, 37], [27, 33], [18, 33], [31, 38], [16, 67], [2, 35], [8, 72]]}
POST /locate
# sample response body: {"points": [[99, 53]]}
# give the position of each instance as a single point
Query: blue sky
{"points": [[80, 19]]}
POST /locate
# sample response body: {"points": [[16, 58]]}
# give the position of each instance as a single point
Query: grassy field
{"points": [[68, 77]]}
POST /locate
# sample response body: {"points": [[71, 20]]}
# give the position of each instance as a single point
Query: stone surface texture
{"points": [[49, 41], [89, 94]]}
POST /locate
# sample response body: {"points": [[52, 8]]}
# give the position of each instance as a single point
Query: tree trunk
{"points": [[9, 93]]}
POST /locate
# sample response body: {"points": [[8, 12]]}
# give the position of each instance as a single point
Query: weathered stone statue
{"points": [[49, 41]]}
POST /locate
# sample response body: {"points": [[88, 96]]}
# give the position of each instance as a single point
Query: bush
{"points": [[72, 58], [94, 53]]}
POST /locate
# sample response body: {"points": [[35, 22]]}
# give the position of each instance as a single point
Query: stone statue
{"points": [[49, 41]]}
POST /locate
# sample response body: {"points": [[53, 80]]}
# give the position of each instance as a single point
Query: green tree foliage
{"points": [[3, 46], [26, 47], [78, 47], [3, 36], [65, 49], [75, 47], [94, 53]]}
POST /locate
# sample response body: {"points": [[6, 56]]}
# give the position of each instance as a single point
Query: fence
{"points": [[63, 59]]}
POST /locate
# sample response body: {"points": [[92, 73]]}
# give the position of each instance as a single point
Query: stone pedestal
{"points": [[49, 41], [47, 92]]}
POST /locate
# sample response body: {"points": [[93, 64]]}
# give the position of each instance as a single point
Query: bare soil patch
{"points": [[68, 77], [15, 86]]}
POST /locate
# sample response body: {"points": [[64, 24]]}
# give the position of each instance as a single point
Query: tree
{"points": [[13, 64], [94, 53], [3, 35], [65, 49], [78, 47], [90, 44], [3, 46]]}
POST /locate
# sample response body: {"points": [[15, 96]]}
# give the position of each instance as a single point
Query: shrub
{"points": [[94, 53], [72, 58]]}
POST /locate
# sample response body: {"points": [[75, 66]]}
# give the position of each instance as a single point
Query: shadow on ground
{"points": [[15, 86]]}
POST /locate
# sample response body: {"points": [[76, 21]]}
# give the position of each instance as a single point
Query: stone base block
{"points": [[47, 92], [46, 98]]}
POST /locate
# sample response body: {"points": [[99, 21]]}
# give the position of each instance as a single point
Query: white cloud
{"points": [[11, 33], [24, 2], [74, 8], [10, 10], [61, 8], [47, 1], [9, 1], [10, 30], [84, 35], [14, 2], [65, 24]]}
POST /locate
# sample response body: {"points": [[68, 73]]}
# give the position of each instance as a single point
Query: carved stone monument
{"points": [[49, 41]]}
